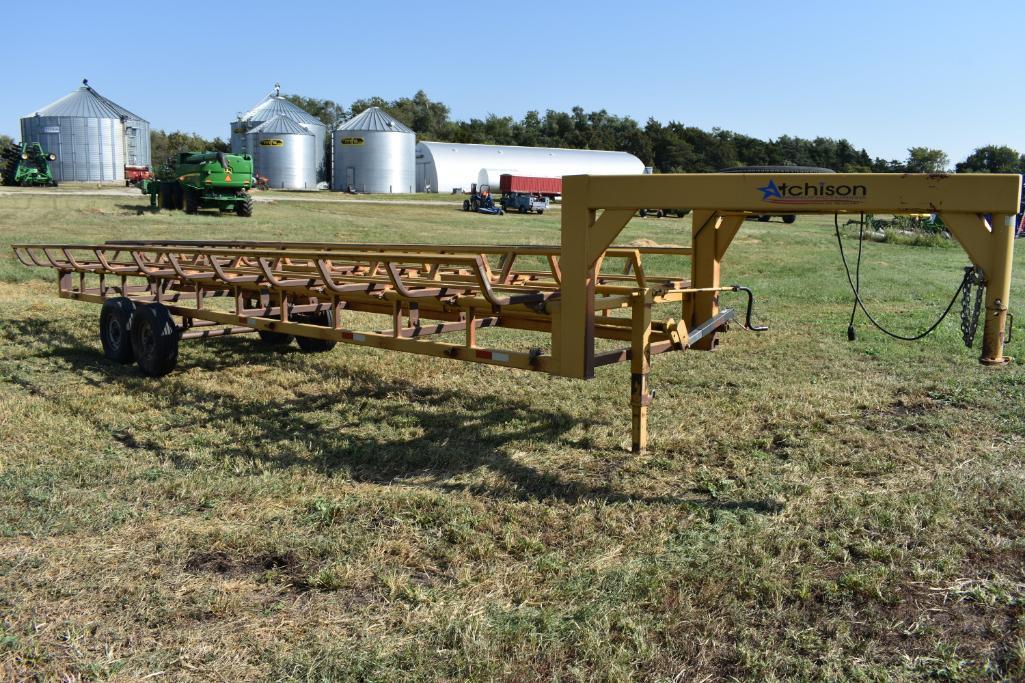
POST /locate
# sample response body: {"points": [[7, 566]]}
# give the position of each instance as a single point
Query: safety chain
{"points": [[973, 277]]}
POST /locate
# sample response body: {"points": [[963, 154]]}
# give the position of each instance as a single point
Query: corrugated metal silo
{"points": [[270, 107], [92, 137], [373, 152], [284, 152]]}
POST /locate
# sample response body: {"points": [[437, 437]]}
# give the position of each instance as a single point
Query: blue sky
{"points": [[885, 75]]}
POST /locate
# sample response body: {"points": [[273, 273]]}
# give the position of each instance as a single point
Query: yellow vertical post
{"points": [[704, 273], [998, 289], [640, 366], [573, 338]]}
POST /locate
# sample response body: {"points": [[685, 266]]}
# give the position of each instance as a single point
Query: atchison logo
{"points": [[812, 193]]}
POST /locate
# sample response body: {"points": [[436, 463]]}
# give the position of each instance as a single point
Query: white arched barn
{"points": [[446, 166]]}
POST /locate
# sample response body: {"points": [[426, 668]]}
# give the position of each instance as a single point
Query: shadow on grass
{"points": [[138, 209], [375, 430]]}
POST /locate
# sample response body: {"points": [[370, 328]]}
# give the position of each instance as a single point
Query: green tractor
{"points": [[26, 164], [203, 180]]}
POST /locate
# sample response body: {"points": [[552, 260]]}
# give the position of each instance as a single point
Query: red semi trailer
{"points": [[527, 193], [544, 187]]}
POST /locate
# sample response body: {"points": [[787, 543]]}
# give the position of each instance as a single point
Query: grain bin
{"points": [[92, 137], [373, 152], [272, 106], [284, 152]]}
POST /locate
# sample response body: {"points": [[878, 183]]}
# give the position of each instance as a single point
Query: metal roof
{"points": [[457, 165], [373, 119], [281, 125], [87, 103], [276, 105]]}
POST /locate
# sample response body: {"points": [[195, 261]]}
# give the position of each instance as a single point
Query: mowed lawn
{"points": [[810, 508]]}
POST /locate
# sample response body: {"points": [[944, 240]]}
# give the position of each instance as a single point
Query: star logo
{"points": [[770, 191]]}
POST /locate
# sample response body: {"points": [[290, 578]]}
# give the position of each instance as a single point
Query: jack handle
{"points": [[748, 325]]}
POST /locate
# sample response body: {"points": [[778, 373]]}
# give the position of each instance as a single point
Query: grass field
{"points": [[810, 508]]}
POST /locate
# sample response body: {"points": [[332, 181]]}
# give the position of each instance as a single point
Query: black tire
{"points": [[275, 338], [776, 169], [178, 195], [116, 329], [474, 205], [310, 344], [660, 214], [154, 340], [789, 218], [244, 206], [764, 219], [642, 213], [466, 205], [191, 201], [680, 213], [540, 212]]}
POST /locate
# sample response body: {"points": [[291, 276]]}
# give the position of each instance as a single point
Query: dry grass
{"points": [[810, 509]]}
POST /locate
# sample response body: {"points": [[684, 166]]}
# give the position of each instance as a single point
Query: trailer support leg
{"points": [[640, 366], [993, 251], [998, 290]]}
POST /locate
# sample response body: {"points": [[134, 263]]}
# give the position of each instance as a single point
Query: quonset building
{"points": [[92, 137], [271, 107], [446, 166]]}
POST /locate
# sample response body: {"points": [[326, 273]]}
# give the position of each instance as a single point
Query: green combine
{"points": [[203, 180], [26, 164]]}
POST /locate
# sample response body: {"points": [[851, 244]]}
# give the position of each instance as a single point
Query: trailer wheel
{"points": [[789, 218], [643, 213], [191, 201], [275, 338], [764, 219], [244, 208], [680, 213], [466, 205], [115, 329], [310, 344], [154, 340], [540, 211], [660, 213]]}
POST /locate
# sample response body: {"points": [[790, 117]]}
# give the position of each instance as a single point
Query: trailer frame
{"points": [[569, 291]]}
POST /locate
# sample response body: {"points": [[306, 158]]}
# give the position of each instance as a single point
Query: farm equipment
{"points": [[26, 164], [134, 175], [481, 201], [155, 294], [662, 213], [203, 180], [527, 194]]}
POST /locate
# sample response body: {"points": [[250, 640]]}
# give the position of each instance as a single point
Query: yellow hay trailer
{"points": [[156, 293]]}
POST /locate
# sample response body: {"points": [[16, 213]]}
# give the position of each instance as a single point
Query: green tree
{"points": [[328, 111], [925, 160], [164, 145], [5, 141], [992, 159]]}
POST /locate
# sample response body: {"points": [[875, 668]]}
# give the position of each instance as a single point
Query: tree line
{"points": [[671, 147]]}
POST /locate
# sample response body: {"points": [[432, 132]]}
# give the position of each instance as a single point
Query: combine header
{"points": [[441, 300], [27, 165]]}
